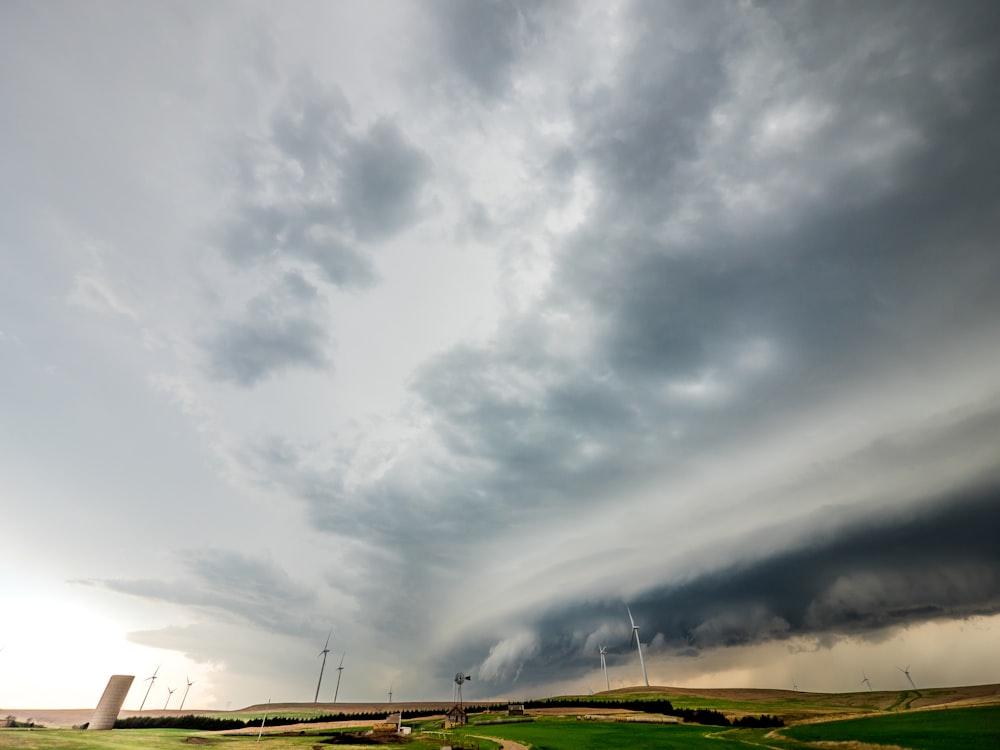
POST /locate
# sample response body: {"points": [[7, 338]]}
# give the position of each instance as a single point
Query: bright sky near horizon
{"points": [[452, 328]]}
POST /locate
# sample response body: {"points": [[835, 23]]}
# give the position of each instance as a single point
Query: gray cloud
{"points": [[281, 330], [761, 342], [312, 232], [482, 42], [330, 189], [237, 587], [382, 176]]}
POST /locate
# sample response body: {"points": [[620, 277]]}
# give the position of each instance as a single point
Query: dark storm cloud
{"points": [[938, 562], [535, 442], [331, 189], [637, 132], [281, 330], [823, 295], [233, 585], [892, 269]]}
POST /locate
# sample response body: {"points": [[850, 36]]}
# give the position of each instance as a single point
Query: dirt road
{"points": [[505, 744]]}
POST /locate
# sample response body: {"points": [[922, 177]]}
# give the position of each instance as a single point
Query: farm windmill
{"points": [[460, 679]]}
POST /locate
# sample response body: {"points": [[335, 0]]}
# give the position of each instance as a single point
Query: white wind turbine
{"points": [[907, 673], [340, 670], [604, 665], [170, 694], [638, 645], [189, 684], [323, 653], [151, 679], [865, 680]]}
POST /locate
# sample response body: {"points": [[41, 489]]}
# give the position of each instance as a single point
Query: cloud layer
{"points": [[458, 327]]}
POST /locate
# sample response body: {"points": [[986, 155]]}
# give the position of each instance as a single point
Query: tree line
{"points": [[651, 706], [661, 706]]}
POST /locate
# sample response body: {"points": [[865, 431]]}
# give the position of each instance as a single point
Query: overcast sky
{"points": [[450, 329]]}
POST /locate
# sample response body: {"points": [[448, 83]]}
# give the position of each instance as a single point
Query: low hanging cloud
{"points": [[938, 562], [507, 658], [231, 587]]}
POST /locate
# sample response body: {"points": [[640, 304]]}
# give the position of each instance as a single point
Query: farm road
{"points": [[504, 744]]}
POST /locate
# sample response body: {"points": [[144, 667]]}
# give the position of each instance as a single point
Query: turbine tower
{"points": [[340, 669], [604, 665], [907, 673], [390, 692], [322, 653], [184, 698], [865, 680], [638, 645], [170, 694], [151, 679]]}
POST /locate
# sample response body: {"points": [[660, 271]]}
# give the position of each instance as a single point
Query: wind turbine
{"points": [[907, 673], [189, 684], [638, 645], [866, 680], [604, 665], [340, 670], [322, 653], [151, 679], [390, 692], [170, 694]]}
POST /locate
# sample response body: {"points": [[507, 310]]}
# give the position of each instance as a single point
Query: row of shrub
{"points": [[211, 723], [652, 706], [12, 722]]}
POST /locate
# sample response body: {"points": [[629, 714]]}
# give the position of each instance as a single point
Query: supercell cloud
{"points": [[457, 327]]}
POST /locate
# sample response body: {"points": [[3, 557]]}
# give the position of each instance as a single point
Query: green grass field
{"points": [[951, 729], [569, 734], [889, 723], [176, 739]]}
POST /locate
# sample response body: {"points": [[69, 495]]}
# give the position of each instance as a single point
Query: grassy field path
{"points": [[504, 744]]}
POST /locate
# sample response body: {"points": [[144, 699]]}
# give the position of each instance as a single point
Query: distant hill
{"points": [[793, 706]]}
